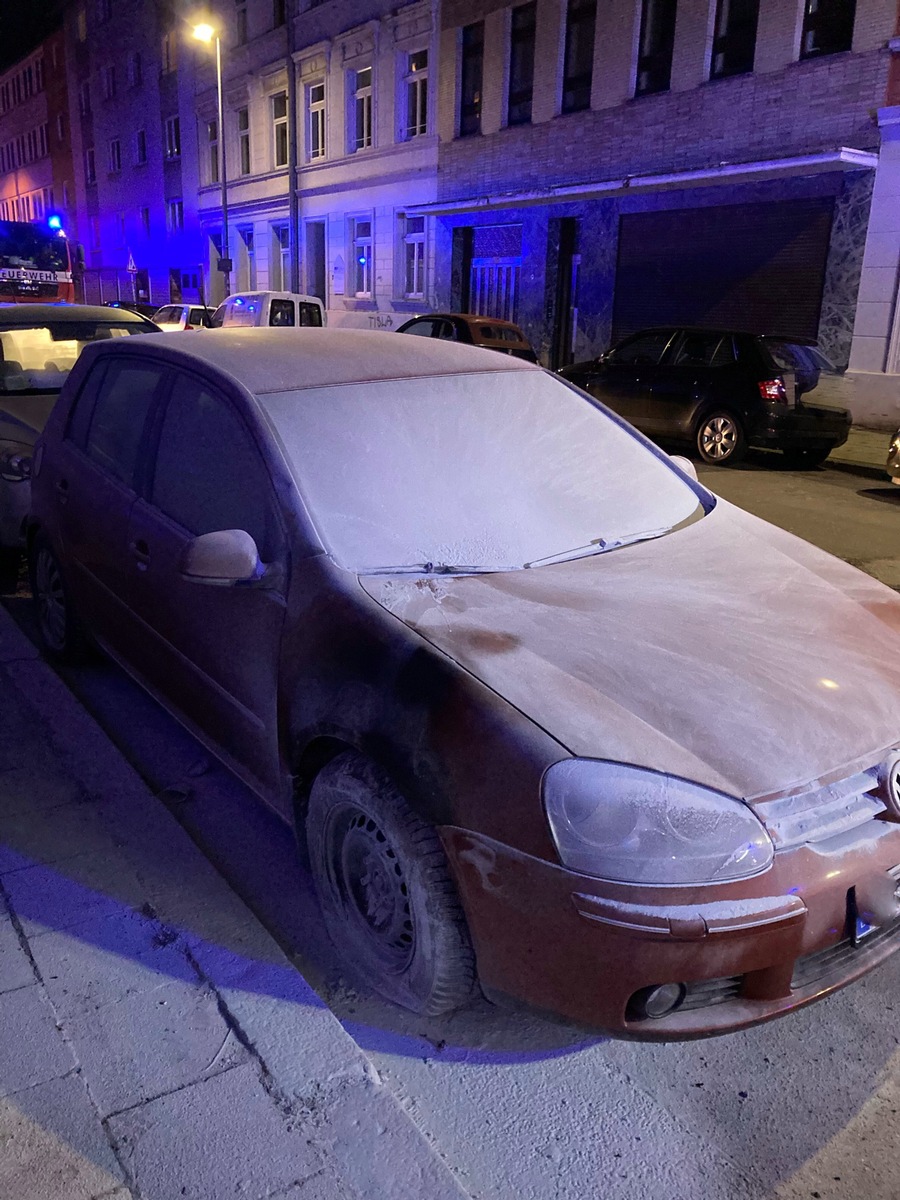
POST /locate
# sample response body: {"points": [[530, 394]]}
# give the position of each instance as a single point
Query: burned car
{"points": [[549, 715]]}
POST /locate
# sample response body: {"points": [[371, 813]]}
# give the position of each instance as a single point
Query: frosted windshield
{"points": [[496, 470]]}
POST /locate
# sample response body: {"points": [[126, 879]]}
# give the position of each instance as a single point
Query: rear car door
{"points": [[623, 378], [282, 313], [211, 652], [94, 477], [699, 367]]}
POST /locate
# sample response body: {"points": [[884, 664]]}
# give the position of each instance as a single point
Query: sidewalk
{"points": [[865, 450], [155, 1043]]}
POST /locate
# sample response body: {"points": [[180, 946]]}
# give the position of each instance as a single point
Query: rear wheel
{"points": [[804, 460], [61, 632], [385, 890], [720, 438]]}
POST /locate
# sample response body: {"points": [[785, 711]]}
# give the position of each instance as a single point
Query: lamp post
{"points": [[206, 33]]}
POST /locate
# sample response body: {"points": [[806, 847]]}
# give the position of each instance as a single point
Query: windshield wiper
{"points": [[432, 568], [599, 546]]}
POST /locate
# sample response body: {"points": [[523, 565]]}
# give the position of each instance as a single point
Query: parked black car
{"points": [[723, 391]]}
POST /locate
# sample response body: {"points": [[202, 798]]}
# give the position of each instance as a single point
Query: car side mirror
{"points": [[223, 558], [685, 464]]}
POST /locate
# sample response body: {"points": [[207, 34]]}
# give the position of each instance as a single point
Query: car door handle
{"points": [[141, 552]]}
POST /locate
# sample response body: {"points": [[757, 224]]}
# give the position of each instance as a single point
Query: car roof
{"points": [[280, 360], [31, 314], [720, 332]]}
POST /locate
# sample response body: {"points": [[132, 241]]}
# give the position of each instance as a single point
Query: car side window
{"points": [[281, 312], [704, 350], [445, 331], [424, 328], [167, 315], [197, 317], [208, 474], [82, 410], [119, 415], [645, 350]]}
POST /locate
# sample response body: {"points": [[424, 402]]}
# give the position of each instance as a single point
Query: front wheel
{"points": [[385, 890], [720, 439], [61, 632]]}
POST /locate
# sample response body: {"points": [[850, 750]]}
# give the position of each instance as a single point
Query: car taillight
{"points": [[188, 328], [773, 389]]}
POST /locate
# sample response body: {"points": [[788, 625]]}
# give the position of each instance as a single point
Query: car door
{"points": [[94, 476], [694, 369], [211, 652], [623, 378]]}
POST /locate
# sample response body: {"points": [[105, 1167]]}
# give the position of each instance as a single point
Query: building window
{"points": [[362, 256], [67, 203], [827, 27], [247, 238], [90, 166], [81, 24], [120, 228], [243, 120], [280, 129], [114, 156], [471, 70], [212, 151], [43, 140], [241, 24], [39, 75], [169, 52], [108, 82], [522, 31], [60, 127], [414, 258], [84, 99], [279, 13], [140, 147], [578, 66], [281, 257], [174, 215], [173, 137], [95, 233], [145, 221], [734, 38], [135, 70], [416, 83], [654, 70], [361, 109], [315, 103]]}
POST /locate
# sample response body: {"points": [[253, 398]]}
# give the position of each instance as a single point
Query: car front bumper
{"points": [[806, 427], [745, 952]]}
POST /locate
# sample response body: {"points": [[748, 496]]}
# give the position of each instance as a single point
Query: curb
{"points": [[317, 1085]]}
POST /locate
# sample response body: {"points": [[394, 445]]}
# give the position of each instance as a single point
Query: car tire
{"points": [[61, 633], [804, 460], [384, 887], [720, 438]]}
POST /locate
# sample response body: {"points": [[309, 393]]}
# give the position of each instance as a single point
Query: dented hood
{"points": [[729, 652]]}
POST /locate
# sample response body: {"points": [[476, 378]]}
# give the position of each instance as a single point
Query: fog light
{"points": [[656, 1001]]}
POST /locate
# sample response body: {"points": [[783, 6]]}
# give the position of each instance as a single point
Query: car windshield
{"points": [[475, 471], [37, 358], [791, 356]]}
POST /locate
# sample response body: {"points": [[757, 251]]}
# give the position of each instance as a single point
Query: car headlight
{"points": [[15, 461], [637, 826]]}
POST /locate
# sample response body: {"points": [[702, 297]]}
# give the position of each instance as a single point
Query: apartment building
{"points": [[29, 189], [607, 166]]}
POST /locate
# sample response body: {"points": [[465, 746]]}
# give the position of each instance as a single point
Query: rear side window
{"points": [[310, 314], [120, 410], [208, 474], [197, 317], [644, 350], [705, 350], [281, 312]]}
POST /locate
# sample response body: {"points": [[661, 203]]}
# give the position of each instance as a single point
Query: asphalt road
{"points": [[524, 1107]]}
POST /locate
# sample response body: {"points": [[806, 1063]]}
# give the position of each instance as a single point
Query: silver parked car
{"points": [[893, 458]]}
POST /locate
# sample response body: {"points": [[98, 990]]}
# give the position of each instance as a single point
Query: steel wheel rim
{"points": [[719, 438], [51, 600], [366, 874]]}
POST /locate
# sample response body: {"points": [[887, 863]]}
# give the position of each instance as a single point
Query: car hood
{"points": [[22, 418], [729, 652]]}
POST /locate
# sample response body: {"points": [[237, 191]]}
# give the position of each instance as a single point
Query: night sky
{"points": [[23, 23]]}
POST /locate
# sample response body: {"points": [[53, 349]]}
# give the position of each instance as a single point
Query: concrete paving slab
{"points": [[32, 1049], [232, 1142], [104, 961], [51, 835], [51, 897], [151, 1043], [15, 968], [53, 1148], [32, 787]]}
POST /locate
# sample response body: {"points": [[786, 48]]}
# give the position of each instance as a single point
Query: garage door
{"points": [[759, 267]]}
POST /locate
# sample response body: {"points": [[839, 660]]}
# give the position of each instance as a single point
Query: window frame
{"points": [[658, 57], [114, 156], [360, 107], [733, 37], [279, 129], [316, 120], [243, 130], [521, 36], [415, 96], [471, 73], [829, 19], [417, 239], [581, 23], [172, 139], [362, 271], [212, 151]]}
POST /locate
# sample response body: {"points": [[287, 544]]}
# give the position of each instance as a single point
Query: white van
{"points": [[269, 308]]}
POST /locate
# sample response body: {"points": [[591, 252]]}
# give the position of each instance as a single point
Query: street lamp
{"points": [[206, 33]]}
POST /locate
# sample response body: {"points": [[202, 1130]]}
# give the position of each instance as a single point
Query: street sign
{"points": [[225, 264], [131, 265]]}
